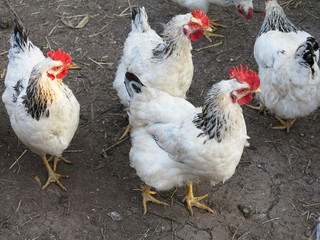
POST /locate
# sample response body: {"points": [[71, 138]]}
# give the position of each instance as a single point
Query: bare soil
{"points": [[274, 194]]}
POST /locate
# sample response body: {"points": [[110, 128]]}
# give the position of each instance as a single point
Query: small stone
{"points": [[231, 59], [115, 216], [302, 134], [262, 165], [133, 209], [312, 137]]}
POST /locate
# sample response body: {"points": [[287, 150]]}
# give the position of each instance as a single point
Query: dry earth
{"points": [[274, 193]]}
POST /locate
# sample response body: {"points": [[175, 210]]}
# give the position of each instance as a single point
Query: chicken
{"points": [[43, 111], [163, 63], [287, 58], [175, 143], [245, 7]]}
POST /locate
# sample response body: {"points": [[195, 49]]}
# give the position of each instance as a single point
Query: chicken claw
{"points": [[285, 124], [52, 176], [146, 194], [193, 201], [56, 160], [212, 24], [128, 129], [260, 108]]}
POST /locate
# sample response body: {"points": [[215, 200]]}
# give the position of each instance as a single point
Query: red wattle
{"points": [[196, 35], [62, 73], [51, 76], [246, 99], [249, 16]]}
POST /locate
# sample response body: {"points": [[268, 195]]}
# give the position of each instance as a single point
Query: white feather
{"points": [[172, 74], [289, 89], [50, 134], [167, 149]]}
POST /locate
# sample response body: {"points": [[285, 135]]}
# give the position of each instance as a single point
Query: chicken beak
{"points": [[258, 90], [209, 29], [73, 66]]}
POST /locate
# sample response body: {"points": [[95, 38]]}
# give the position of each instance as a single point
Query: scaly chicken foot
{"points": [[128, 129], [260, 108], [194, 201], [52, 176], [285, 124], [146, 196], [213, 25], [56, 160]]}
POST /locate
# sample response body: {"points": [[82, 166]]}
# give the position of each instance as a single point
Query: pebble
{"points": [[115, 216], [262, 165]]}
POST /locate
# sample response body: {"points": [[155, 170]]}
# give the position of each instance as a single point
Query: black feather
{"points": [[308, 55], [134, 13], [133, 84], [20, 34]]}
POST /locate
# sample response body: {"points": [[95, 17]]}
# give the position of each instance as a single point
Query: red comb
{"points": [[247, 76], [60, 56], [202, 16]]}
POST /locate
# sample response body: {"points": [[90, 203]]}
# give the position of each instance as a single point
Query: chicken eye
{"points": [[241, 91], [194, 24]]}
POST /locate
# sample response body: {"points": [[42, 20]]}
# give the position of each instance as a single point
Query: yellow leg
{"points": [[193, 201], [285, 124], [56, 160], [128, 129], [213, 24], [52, 176], [260, 108], [146, 196]]}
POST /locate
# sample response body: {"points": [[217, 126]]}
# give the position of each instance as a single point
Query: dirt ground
{"points": [[274, 193]]}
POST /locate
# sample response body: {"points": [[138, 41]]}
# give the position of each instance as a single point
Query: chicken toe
{"points": [[52, 176], [194, 201], [285, 124], [213, 24], [128, 129], [260, 108], [146, 195], [56, 160]]}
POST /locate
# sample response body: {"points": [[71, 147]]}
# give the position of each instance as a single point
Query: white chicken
{"points": [[245, 7], [175, 143], [43, 111], [287, 58], [163, 62]]}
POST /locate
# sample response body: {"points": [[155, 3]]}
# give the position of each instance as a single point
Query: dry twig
{"points": [[18, 159]]}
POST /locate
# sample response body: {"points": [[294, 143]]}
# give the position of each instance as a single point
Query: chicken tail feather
{"points": [[307, 53], [20, 38], [140, 20], [133, 84]]}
